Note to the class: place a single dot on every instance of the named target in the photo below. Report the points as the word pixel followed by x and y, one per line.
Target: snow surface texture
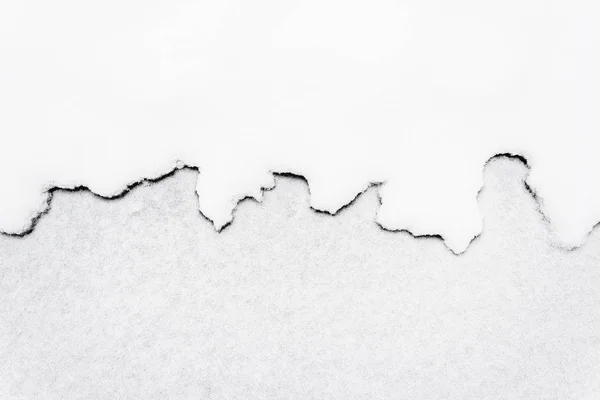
pixel 417 94
pixel 139 298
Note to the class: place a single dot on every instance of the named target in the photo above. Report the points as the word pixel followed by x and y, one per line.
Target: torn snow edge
pixel 286 174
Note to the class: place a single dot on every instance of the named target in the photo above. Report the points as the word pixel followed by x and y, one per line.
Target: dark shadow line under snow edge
pixel 292 175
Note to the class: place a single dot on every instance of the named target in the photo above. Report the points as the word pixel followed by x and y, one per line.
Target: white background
pixel 416 94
